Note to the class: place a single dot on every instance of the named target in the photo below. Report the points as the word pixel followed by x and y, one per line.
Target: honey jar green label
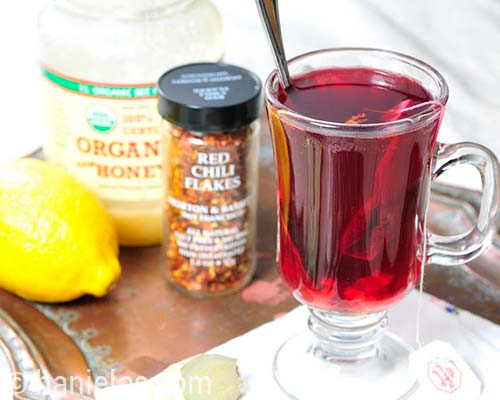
pixel 101 118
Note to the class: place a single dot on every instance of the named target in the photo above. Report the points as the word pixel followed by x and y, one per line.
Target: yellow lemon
pixel 57 242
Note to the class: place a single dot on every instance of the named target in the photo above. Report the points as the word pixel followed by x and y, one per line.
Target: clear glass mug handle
pixel 462 248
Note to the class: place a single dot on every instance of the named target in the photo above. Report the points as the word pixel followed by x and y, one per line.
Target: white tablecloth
pixel 476 339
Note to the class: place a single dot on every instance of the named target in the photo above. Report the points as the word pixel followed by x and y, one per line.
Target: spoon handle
pixel 268 10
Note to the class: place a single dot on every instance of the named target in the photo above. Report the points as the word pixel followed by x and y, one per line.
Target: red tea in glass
pixel 351 235
pixel 355 148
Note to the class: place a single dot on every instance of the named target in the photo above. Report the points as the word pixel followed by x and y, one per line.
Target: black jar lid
pixel 209 97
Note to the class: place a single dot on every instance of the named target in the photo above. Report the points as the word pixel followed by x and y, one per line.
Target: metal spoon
pixel 268 10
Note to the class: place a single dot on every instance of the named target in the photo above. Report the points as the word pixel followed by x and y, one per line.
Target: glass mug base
pixel 385 375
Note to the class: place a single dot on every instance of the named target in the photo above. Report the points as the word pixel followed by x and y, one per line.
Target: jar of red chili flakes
pixel 210 164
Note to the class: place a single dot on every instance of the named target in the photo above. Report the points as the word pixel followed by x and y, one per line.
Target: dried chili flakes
pixel 210 153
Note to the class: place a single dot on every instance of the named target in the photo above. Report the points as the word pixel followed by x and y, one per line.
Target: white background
pixel 460 37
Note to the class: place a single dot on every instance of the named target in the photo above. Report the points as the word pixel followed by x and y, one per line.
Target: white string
pixel 420 302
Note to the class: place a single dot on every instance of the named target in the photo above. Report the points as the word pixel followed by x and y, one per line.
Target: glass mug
pixel 352 204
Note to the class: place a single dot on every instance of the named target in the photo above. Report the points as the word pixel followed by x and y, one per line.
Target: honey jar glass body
pixel 100 63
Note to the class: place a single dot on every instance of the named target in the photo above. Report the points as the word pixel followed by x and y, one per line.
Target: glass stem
pixel 346 338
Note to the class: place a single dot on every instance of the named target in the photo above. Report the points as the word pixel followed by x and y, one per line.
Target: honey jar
pixel 100 62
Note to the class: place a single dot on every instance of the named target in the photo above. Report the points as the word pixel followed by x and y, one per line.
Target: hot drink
pixel 352 206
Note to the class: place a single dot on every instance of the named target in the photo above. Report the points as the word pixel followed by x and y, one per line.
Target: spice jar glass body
pixel 210 208
pixel 100 62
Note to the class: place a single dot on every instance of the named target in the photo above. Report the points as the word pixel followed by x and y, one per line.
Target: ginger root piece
pixel 211 377
pixel 203 377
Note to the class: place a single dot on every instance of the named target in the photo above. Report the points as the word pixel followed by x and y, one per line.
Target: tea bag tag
pixel 443 374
